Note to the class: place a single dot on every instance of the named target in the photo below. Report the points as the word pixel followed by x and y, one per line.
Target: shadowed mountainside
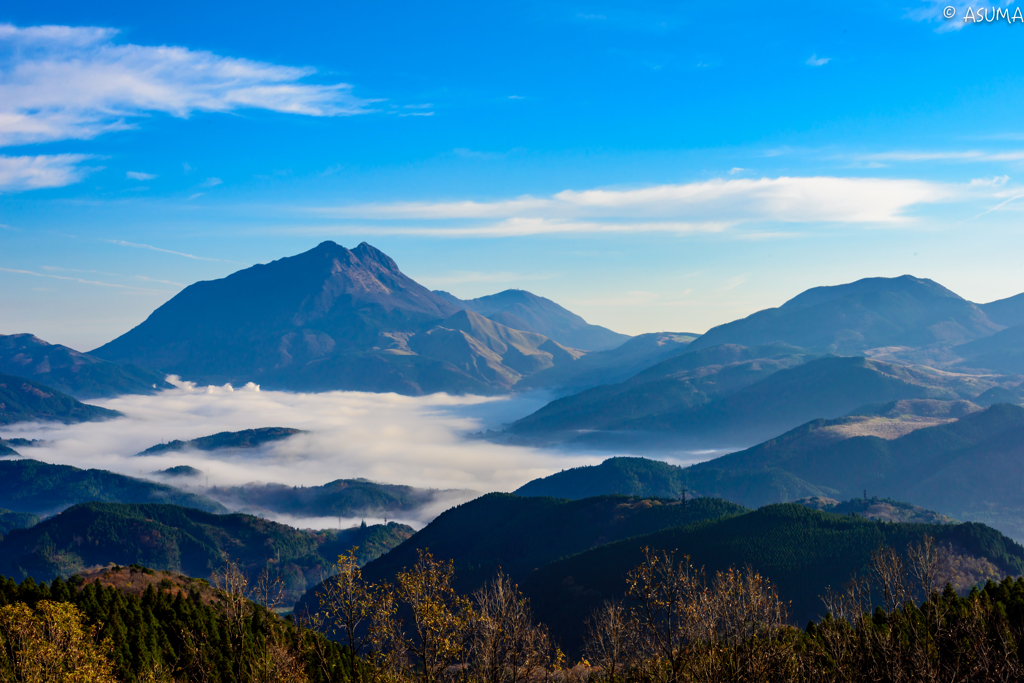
pixel 72 372
pixel 22 400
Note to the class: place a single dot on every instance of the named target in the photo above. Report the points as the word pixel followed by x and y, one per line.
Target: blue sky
pixel 651 166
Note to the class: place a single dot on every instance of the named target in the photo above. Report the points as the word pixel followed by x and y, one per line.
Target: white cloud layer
pixel 64 82
pixel 383 437
pixel 700 207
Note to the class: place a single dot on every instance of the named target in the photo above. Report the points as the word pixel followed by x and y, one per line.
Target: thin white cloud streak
pixel 464 277
pixel 64 82
pixel 103 272
pixel 138 175
pixel 21 173
pixel 964 156
pixel 417 441
pixel 815 60
pixel 700 207
pixel 84 282
pixel 135 245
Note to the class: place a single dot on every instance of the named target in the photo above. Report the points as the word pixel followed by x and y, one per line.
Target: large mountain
pixel 1001 352
pixel 22 400
pixel 522 310
pixel 331 318
pixel 862 315
pixel 72 372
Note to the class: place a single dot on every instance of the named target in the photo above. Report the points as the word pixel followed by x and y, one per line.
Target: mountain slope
pixel 802 551
pixel 866 314
pixel 667 411
pixel 1002 352
pixel 36 487
pixel 72 372
pixel 1008 312
pixel 22 400
pixel 522 310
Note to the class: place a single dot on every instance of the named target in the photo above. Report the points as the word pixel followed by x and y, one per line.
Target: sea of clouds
pixel 423 441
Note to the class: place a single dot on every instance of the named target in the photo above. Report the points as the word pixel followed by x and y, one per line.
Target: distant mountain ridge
pixel 72 372
pixel 866 314
pixel 522 310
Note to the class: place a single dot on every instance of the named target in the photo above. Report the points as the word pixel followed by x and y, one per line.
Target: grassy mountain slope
pixel 866 314
pixel 682 413
pixel 37 487
pixel 173 538
pixel 522 310
pixel 72 372
pixel 682 381
pixel 802 551
pixel 247 438
pixel 23 400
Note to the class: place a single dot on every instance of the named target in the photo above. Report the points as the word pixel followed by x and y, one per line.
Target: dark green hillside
pixel 247 438
pixel 521 534
pixel 73 372
pixel 802 551
pixel 22 400
pixel 159 536
pixel 15 520
pixel 33 486
pixel 5 449
pixel 340 498
pixel 621 476
pixel 173 538
pixel 866 314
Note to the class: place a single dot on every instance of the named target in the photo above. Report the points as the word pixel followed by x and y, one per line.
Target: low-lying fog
pixel 417 441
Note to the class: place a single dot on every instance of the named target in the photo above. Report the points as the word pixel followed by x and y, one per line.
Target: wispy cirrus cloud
pixel 150 247
pixel 65 82
pixel 138 175
pixel 815 60
pixel 937 11
pixel 701 207
pixel 963 156
pixel 83 281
